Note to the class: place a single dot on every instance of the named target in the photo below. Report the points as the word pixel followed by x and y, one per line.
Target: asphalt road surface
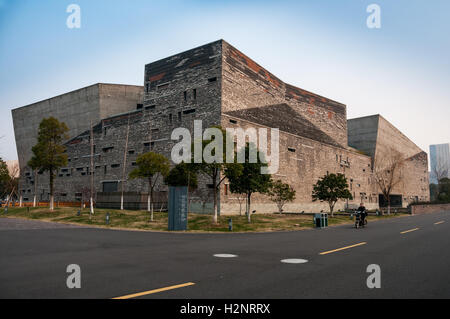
pixel 413 254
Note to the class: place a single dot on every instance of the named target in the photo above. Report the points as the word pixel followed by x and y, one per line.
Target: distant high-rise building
pixel 440 162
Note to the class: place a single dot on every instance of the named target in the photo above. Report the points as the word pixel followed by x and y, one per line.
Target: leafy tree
pixel 331 188
pixel 216 167
pixel 434 192
pixel 444 190
pixel 150 166
pixel 247 177
pixel 281 193
pixel 48 153
pixel 4 177
pixel 183 175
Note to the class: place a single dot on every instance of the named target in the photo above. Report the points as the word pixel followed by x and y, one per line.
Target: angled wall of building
pixel 247 85
pixel 77 109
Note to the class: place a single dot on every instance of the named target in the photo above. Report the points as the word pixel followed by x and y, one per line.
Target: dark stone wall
pixel 247 85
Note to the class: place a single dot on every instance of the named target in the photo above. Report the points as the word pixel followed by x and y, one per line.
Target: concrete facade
pixel 219 85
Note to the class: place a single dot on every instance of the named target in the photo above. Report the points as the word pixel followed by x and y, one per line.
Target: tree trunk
pixel 151 203
pixel 92 205
pixel 52 206
pixel 215 199
pixel 389 204
pixel 149 199
pixel 20 201
pixel 331 210
pixel 240 208
pixel 35 187
pixel 249 211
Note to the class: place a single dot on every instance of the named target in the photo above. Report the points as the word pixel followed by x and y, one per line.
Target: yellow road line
pixel 438 223
pixel 149 292
pixel 339 249
pixel 408 231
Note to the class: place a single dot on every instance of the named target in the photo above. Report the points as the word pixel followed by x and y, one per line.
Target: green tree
pixel 281 193
pixel 182 175
pixel 214 168
pixel 434 192
pixel 247 177
pixel 151 166
pixel 4 178
pixel 35 167
pixel 444 190
pixel 331 188
pixel 48 153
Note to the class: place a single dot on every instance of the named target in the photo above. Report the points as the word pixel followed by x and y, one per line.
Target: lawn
pixel 140 220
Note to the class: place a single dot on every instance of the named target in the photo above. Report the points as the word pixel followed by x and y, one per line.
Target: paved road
pixel 415 264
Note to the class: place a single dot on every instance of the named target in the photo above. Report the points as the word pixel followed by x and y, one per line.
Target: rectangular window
pixel 170 119
pixel 131 152
pixel 185 95
pixel 115 165
pixel 189 111
pixel 163 86
pixel 233 121
pixel 107 149
pixel 214 79
pixel 290 149
pixel 110 186
pixel 139 106
pixel 155 130
pixel 105 169
pixel 179 116
pixel 147 87
pixel 194 91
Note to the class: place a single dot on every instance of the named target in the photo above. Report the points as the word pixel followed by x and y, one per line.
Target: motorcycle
pixel 359 221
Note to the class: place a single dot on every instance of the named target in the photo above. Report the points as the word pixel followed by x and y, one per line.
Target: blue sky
pixel 401 71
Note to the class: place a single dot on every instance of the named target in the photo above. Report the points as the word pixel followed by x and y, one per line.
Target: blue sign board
pixel 178 207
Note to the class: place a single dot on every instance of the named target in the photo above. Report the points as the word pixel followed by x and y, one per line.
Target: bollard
pixel 107 218
pixel 230 224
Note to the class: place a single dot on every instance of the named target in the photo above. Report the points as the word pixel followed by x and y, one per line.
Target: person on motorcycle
pixel 363 213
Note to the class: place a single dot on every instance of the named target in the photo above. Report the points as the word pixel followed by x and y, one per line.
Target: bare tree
pixel 439 171
pixel 387 172
pixel 13 182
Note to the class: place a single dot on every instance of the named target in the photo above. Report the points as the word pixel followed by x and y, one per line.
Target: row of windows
pixel 162 86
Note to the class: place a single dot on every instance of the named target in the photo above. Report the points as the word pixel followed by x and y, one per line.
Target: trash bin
pixel 321 220
pixel 324 220
pixel 317 220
